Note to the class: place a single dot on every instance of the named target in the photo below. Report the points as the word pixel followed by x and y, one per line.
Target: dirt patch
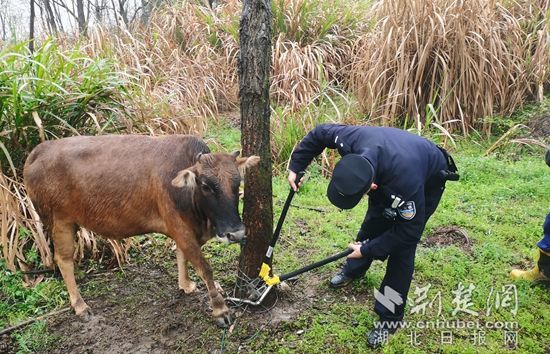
pixel 302 225
pixel 449 235
pixel 138 311
pixel 7 344
pixel 540 126
pixel 141 310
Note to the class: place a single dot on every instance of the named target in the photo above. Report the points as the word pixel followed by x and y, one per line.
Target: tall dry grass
pixel 168 77
pixel 313 40
pixel 186 58
pixel 437 61
pixel 184 63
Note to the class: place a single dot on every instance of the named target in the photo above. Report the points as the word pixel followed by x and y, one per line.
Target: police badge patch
pixel 408 210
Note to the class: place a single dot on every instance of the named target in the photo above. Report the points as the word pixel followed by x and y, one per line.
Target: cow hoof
pixel 224 321
pixel 85 314
pixel 189 287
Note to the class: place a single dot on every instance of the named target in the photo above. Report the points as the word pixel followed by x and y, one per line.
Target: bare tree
pixel 3 20
pixel 31 28
pixel 49 16
pixel 254 67
pixel 121 11
pixel 81 17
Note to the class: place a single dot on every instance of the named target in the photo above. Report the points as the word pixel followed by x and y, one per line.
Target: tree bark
pixel 50 17
pixel 254 70
pixel 81 17
pixel 123 11
pixel 3 23
pixel 31 28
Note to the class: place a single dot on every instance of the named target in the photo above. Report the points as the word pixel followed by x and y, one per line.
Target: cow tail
pixel 46 218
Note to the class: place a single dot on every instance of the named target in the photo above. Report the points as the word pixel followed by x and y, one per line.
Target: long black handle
pixel 316 265
pixel 282 217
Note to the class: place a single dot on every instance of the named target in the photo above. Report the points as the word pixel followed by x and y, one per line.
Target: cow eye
pixel 205 187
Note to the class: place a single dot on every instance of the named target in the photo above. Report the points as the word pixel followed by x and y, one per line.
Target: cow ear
pixel 236 154
pixel 185 178
pixel 245 162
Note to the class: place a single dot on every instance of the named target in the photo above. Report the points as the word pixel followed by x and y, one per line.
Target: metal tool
pixel 261 286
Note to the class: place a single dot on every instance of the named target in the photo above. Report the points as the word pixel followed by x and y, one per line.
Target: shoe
pixel 340 280
pixel 379 336
pixel 541 270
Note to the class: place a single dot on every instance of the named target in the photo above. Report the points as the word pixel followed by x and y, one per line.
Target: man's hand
pixel 356 247
pixel 292 181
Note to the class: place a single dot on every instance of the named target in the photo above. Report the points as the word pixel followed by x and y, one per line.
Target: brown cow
pixel 121 186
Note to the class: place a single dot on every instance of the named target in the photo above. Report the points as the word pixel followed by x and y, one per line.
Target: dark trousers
pixel 400 267
pixel 544 244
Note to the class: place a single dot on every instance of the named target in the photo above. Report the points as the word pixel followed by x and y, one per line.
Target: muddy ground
pixel 141 310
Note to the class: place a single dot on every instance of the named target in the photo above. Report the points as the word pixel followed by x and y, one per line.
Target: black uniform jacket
pixel 404 164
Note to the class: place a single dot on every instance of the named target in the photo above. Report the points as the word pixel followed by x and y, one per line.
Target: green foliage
pixel 19 303
pixel 288 127
pixel 309 21
pixel 68 93
pixel 34 338
pixel 500 202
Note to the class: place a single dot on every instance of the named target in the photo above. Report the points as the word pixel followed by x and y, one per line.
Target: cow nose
pixel 235 236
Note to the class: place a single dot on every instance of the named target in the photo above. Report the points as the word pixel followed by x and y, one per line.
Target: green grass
pixel 18 302
pixel 35 338
pixel 501 201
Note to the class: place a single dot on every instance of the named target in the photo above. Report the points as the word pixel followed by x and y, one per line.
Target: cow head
pixel 215 179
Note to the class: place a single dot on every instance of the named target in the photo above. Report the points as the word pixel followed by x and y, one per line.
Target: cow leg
pixel 184 282
pixel 63 240
pixel 192 252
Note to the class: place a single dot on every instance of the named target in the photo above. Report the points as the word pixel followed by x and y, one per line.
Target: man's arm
pixel 403 233
pixel 312 145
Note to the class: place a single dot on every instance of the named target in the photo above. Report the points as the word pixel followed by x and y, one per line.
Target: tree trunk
pixel 123 11
pixel 254 68
pixel 50 17
pixel 31 28
pixel 81 18
pixel 3 22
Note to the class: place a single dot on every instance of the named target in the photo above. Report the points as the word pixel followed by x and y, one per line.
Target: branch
pixel 63 5
pixel 32 320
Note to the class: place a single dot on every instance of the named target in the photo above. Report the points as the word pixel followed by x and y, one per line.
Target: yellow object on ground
pixel 535 273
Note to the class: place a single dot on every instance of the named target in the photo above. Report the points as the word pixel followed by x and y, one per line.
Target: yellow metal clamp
pixel 264 274
pixel 264 271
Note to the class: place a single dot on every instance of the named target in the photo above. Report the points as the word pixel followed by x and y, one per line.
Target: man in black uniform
pixel 404 176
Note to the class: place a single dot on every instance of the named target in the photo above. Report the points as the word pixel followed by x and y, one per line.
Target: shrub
pixel 53 93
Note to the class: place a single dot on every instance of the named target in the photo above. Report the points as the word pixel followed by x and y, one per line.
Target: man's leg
pixel 541 270
pixel 393 295
pixel 399 273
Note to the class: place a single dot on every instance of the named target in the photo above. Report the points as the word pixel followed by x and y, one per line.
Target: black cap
pixel 351 179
